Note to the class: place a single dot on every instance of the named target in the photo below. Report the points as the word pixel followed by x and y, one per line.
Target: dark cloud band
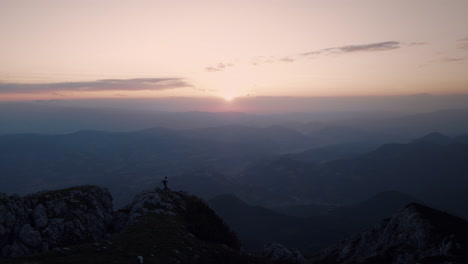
pixel 381 46
pixel 371 47
pixel 137 84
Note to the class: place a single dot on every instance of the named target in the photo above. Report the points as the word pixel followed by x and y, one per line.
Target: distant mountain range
pixel 433 168
pixel 55 117
pixel 127 161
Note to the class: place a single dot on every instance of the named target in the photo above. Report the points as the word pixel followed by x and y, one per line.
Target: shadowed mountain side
pixel 440 139
pixel 363 213
pixel 380 206
pixel 334 152
pixel 421 168
pixel 416 234
pixel 257 225
pixel 208 184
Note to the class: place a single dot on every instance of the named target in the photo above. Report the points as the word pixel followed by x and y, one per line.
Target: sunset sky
pixel 231 49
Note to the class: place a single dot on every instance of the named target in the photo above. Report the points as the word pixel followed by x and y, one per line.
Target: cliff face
pixel 416 234
pixel 52 219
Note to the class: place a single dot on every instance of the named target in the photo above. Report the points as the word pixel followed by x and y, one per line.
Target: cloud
pixel 463 44
pixel 262 60
pixel 137 84
pixel 286 59
pixel 310 53
pixel 213 69
pixel 371 47
pixel 417 44
pixel 380 46
pixel 452 59
pixel 219 67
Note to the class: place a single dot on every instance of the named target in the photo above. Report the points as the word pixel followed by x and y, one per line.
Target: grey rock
pixel 15 196
pixel 278 252
pixel 416 234
pixel 3 212
pixel 153 202
pixel 15 250
pixel 30 237
pixel 37 222
pixel 39 216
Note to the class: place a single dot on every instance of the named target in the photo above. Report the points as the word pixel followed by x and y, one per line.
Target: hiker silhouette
pixel 165 181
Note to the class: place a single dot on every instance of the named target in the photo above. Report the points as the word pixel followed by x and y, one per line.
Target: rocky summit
pixel 77 225
pixel 279 253
pixel 48 220
pixel 416 234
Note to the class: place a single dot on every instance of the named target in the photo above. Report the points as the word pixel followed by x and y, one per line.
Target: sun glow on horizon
pixel 228 98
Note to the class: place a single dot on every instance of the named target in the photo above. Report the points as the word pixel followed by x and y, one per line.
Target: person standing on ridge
pixel 165 181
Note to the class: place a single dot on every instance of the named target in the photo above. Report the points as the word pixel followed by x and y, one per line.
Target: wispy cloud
pixel 371 47
pixel 381 46
pixel 463 43
pixel 262 60
pixel 218 67
pixel 451 59
pixel 137 84
pixel 346 49
pixel 286 59
pixel 418 44
pixel 212 69
pixel 310 53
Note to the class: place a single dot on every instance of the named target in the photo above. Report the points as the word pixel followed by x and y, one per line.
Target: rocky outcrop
pixel 201 221
pixel 151 202
pixel 279 253
pixel 46 220
pixel 416 234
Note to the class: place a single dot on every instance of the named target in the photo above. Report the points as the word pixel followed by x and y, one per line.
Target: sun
pixel 228 98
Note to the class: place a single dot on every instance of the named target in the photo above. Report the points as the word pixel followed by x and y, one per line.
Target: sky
pixel 231 49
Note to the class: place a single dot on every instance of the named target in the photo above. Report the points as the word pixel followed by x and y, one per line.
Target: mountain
pixel 436 138
pixel 441 139
pixel 435 173
pixel 257 225
pixel 77 225
pixel 310 230
pixel 208 184
pixel 362 215
pixel 358 215
pixel 126 162
pixel 335 151
pixel 446 121
pixel 63 116
pixel 416 234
